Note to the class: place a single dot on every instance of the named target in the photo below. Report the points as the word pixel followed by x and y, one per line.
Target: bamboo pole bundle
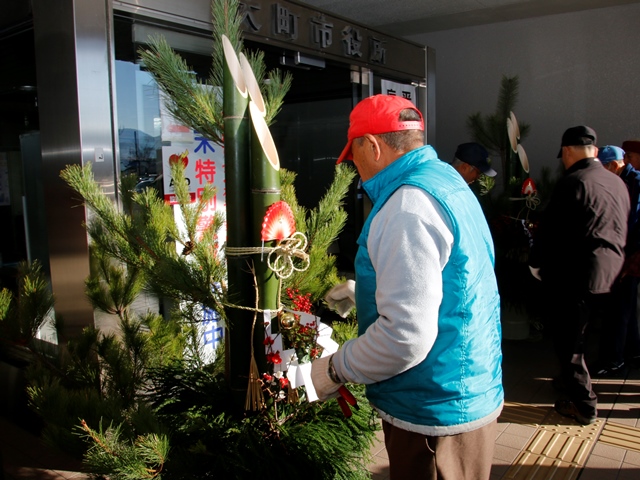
pixel 241 291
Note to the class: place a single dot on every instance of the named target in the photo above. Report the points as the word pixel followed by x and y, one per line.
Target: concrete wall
pixel 580 68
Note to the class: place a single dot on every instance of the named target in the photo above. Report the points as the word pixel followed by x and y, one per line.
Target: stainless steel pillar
pixel 73 54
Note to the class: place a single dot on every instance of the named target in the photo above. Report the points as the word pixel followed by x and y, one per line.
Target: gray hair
pixel 404 140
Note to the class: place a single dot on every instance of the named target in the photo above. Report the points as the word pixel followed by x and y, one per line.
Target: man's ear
pixel 375 145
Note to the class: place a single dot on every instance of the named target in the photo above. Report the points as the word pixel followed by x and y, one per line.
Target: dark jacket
pixel 579 246
pixel 631 178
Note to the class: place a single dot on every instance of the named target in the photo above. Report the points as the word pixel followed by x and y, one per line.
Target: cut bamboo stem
pixel 238 341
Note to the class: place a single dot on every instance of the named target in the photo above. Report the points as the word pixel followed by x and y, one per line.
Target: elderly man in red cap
pixel 428 307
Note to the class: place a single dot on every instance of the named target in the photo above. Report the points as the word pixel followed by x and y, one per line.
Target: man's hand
pixel 324 385
pixel 342 298
pixel 535 272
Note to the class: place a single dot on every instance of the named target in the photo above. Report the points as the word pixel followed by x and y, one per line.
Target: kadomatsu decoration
pixel 150 405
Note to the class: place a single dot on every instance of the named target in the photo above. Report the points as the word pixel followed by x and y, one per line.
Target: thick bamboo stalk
pixel 265 190
pixel 241 291
pixel 265 183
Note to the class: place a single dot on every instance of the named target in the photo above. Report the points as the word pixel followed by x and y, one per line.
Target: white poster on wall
pixel 399 89
pixel 203 162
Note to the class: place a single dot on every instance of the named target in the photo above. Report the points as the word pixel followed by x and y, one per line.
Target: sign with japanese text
pixel 399 89
pixel 203 163
pixel 296 26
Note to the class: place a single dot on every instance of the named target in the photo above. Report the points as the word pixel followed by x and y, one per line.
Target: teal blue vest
pixel 460 380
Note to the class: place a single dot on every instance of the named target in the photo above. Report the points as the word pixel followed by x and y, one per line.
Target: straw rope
pixel 255 397
pixel 531 201
pixel 280 259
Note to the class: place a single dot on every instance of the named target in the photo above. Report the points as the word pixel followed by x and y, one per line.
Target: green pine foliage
pixel 147 401
pixel 114 458
pixel 321 225
pixel 198 103
pixel 346 329
pixel 490 130
pixel 304 440
pixel 101 377
pixel 24 313
pixel 147 241
pixel 142 402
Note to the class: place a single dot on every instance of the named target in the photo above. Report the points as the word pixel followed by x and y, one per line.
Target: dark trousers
pixel 571 319
pixel 466 456
pixel 619 333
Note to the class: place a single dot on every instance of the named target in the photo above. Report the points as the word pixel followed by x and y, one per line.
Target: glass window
pixel 139 112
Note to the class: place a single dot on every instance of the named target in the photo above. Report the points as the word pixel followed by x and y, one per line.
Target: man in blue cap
pixel 620 335
pixel 472 160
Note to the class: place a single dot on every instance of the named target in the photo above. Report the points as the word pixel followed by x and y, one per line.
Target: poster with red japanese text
pixel 203 162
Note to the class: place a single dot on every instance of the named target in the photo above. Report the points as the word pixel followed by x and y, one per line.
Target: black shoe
pixel 606 370
pixel 635 361
pixel 567 408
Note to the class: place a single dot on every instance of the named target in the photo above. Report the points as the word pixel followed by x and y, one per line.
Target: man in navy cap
pixel 472 160
pixel 578 253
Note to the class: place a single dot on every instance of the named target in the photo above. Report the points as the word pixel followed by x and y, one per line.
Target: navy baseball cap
pixel 476 155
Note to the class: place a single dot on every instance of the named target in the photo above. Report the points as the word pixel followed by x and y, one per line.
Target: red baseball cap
pixel 378 114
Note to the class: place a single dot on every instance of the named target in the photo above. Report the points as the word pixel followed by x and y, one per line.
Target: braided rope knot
pixel 532 201
pixel 281 257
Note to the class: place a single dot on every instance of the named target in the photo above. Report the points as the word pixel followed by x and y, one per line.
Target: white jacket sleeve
pixel 409 244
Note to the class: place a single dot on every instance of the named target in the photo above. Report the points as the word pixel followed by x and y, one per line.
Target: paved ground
pixel 535 443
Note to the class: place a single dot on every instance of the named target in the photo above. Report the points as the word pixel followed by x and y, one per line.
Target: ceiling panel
pixel 411 17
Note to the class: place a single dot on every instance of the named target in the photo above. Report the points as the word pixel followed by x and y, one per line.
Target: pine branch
pixel 109 455
pixel 115 287
pixel 22 314
pixel 226 21
pixel 276 86
pixel 322 226
pixel 188 100
pixel 146 242
pixel 508 96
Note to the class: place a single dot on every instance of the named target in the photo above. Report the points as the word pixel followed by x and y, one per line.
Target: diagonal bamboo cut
pixel 265 190
pixel 265 183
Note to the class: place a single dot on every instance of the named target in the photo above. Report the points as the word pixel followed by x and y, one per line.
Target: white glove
pixel 324 386
pixel 342 298
pixel 535 272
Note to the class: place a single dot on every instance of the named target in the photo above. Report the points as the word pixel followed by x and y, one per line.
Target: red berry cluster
pixel 301 303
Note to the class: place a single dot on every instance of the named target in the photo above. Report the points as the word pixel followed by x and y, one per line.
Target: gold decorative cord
pixel 531 201
pixel 280 259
